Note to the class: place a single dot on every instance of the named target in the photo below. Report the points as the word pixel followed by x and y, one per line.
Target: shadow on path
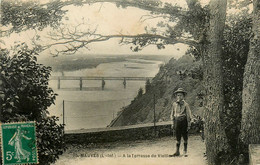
pixel 150 152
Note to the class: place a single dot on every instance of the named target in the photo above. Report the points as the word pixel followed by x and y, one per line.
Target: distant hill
pixel 76 62
pixel 141 109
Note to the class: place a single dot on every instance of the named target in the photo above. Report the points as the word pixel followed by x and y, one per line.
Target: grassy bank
pixel 141 109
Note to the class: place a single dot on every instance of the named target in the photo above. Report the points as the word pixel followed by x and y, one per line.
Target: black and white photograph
pixel 123 82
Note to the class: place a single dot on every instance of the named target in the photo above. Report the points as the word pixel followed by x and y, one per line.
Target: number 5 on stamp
pixel 19 143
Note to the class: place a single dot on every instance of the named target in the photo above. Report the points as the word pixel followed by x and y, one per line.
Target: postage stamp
pixel 19 143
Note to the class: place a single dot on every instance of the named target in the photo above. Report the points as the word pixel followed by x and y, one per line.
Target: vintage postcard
pixel 129 81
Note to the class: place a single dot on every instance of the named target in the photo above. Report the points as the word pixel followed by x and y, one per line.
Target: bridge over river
pixel 102 79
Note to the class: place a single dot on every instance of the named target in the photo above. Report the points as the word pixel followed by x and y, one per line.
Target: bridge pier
pixel 80 83
pixel 124 82
pixel 58 82
pixel 103 83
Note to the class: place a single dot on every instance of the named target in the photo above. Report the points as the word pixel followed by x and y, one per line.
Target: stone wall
pixel 119 134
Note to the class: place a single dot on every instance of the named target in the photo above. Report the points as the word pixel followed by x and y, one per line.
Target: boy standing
pixel 181 117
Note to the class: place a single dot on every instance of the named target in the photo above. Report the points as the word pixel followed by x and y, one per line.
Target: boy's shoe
pixel 185 153
pixel 177 153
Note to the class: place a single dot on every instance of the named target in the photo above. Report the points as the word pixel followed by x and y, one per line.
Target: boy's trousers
pixel 181 126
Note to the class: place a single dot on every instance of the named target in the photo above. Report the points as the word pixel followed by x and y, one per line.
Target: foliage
pixel 195 20
pixel 27 97
pixel 197 124
pixel 50 140
pixel 26 85
pixel 140 93
pixel 23 15
pixel 147 85
pixel 192 23
pixel 236 46
pixel 140 3
pixel 141 110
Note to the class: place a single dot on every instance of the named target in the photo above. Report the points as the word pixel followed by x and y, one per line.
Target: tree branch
pixel 154 6
pixel 153 36
pixel 73 42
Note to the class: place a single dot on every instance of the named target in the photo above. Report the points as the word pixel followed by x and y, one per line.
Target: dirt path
pixel 145 152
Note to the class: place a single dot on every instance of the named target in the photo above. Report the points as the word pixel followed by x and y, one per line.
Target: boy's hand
pixel 189 125
pixel 172 126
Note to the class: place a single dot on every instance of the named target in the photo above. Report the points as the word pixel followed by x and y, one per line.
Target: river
pixel 93 107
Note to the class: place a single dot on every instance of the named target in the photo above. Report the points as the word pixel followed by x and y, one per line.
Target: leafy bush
pixel 147 85
pixel 140 92
pixel 236 46
pixel 27 97
pixel 197 124
pixel 49 140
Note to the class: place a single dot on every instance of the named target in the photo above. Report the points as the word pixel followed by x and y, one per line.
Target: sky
pixel 108 19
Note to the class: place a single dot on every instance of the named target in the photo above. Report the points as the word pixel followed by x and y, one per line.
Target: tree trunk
pixel 216 140
pixel 250 124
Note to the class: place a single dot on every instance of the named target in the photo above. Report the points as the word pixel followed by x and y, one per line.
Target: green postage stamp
pixel 19 143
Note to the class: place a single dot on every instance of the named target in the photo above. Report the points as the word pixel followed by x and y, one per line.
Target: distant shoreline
pixel 73 63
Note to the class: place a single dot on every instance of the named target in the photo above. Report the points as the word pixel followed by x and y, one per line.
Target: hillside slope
pixel 141 109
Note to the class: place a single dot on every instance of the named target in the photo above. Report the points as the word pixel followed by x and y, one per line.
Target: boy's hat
pixel 180 90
